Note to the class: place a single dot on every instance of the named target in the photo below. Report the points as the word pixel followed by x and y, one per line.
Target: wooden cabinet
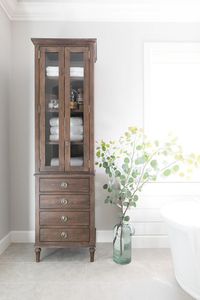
pixel 64 143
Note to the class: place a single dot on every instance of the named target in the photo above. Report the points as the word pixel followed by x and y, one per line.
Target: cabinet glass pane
pixel 52 109
pixel 76 109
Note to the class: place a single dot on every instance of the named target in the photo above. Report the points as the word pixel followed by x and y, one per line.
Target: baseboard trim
pixel 103 236
pixel 4 243
pixel 22 236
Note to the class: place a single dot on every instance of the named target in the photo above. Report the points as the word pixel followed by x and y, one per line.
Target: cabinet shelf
pixel 52 77
pixel 75 112
pixel 77 143
pixel 54 110
pixel 77 78
pixel 52 142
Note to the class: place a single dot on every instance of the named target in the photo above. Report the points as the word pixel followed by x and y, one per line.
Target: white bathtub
pixel 183 223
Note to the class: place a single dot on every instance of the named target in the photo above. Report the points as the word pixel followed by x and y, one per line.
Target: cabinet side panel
pixel 37 109
pixel 37 225
pixel 91 99
pixel 92 213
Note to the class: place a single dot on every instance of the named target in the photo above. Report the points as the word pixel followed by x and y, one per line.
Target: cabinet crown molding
pixel 104 11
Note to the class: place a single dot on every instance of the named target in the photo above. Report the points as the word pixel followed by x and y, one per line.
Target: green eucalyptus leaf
pixel 107 200
pixel 126 218
pixel 135 198
pixel 154 163
pixel 131 180
pixel 117 173
pixel 105 164
pixel 139 147
pixel 140 160
pixel 128 194
pixel 175 168
pixel 134 174
pixel 126 160
pixel 167 172
pixel 98 153
pixel 146 175
pixel 105 186
pixel 107 170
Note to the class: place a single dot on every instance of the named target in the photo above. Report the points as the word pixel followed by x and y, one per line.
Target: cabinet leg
pixel 92 251
pixel 37 254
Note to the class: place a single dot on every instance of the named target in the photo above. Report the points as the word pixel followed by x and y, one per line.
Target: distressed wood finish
pixel 64 234
pixel 65 210
pixel 64 185
pixel 64 201
pixel 63 218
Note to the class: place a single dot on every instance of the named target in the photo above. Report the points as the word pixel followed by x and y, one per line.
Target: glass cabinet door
pixel 52 109
pixel 77 113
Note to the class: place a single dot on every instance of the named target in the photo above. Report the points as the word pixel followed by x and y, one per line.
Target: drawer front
pixel 64 235
pixel 64 185
pixel 64 218
pixel 65 201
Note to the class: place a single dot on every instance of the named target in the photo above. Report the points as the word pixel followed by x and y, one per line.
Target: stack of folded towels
pixel 54 129
pixel 52 71
pixel 74 162
pixel 76 135
pixel 76 129
pixel 77 71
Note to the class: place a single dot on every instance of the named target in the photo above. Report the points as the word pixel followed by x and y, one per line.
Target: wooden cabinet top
pixel 45 42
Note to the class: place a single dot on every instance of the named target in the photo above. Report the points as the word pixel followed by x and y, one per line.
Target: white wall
pixel 118 104
pixel 5 40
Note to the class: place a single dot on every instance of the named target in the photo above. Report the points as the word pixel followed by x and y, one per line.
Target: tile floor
pixel 66 274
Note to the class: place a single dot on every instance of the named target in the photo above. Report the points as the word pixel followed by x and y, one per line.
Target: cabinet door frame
pixel 42 97
pixel 86 109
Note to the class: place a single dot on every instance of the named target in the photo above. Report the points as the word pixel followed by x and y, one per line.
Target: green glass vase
pixel 122 243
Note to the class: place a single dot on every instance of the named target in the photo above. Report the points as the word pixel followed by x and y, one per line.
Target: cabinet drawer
pixel 64 185
pixel 64 235
pixel 64 218
pixel 65 201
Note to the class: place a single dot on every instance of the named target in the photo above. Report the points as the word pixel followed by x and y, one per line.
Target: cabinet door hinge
pixel 88 54
pixel 89 110
pixel 89 163
pixel 39 54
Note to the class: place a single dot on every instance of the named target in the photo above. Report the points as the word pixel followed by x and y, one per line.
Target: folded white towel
pixel 54 137
pixel 52 68
pixel 74 121
pixel 77 71
pixel 52 74
pixel 76 161
pixel 54 162
pixel 76 137
pixel 54 121
pixel 52 71
pixel 76 129
pixel 54 130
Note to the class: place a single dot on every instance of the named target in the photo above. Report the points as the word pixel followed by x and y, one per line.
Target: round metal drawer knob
pixel 63 235
pixel 64 219
pixel 64 185
pixel 64 201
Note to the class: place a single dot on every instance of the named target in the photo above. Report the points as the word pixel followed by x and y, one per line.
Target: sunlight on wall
pixel 172 92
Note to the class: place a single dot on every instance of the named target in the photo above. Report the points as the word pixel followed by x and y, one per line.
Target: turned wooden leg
pixel 37 254
pixel 92 251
